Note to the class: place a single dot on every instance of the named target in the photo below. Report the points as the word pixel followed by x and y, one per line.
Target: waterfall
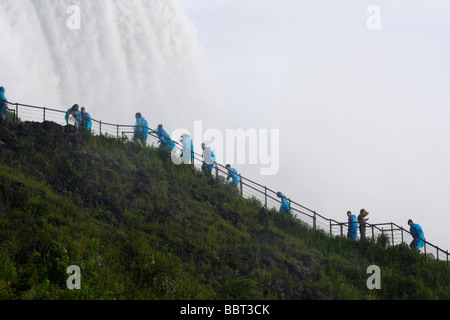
pixel 115 57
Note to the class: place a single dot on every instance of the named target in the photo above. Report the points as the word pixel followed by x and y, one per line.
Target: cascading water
pixel 116 57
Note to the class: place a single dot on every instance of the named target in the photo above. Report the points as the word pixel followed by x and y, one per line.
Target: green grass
pixel 140 227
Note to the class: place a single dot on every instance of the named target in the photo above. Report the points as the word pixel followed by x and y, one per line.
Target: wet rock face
pixel 59 149
pixel 311 294
pixel 37 136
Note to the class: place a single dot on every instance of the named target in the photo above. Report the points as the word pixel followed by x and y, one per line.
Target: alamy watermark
pixel 374 19
pixel 374 281
pixel 74 281
pixel 73 22
pixel 237 146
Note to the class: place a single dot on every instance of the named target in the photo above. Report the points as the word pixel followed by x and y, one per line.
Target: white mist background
pixel 127 56
pixel 363 114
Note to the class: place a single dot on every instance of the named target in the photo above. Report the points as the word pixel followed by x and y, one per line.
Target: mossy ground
pixel 140 227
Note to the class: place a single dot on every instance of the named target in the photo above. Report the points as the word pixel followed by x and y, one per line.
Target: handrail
pixel 263 192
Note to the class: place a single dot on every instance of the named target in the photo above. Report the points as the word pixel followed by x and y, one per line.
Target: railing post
pixel 342 230
pixel 100 127
pixel 331 229
pixel 314 221
pixel 265 197
pixel 17 112
pixel 392 233
pixel 240 181
pixel 117 131
pixel 217 170
pixel 44 114
pixel 401 229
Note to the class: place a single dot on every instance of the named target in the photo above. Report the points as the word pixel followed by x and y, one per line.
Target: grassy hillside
pixel 140 227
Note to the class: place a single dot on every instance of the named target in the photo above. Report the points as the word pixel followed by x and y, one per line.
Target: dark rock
pixel 263 217
pixel 57 221
pixel 311 294
pixel 228 214
pixel 267 259
pixel 269 237
pixel 302 272
pixel 310 260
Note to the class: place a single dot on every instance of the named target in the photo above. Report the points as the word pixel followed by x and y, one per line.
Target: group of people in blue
pixel 141 132
pixel 82 119
pixel 78 118
pixel 353 223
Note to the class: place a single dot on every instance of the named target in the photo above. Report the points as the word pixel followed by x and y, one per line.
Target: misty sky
pixel 363 114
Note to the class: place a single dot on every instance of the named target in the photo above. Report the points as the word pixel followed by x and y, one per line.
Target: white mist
pixel 120 57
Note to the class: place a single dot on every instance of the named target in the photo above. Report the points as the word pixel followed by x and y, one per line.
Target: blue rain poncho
pixel 187 154
pixel 3 105
pixel 208 158
pixel 85 120
pixel 233 174
pixel 141 129
pixel 418 236
pixel 75 113
pixel 352 227
pixel 164 139
pixel 285 206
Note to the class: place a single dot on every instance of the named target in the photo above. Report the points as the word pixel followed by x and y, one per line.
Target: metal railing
pixel 247 187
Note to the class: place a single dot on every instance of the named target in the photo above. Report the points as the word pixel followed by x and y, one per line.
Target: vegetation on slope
pixel 140 227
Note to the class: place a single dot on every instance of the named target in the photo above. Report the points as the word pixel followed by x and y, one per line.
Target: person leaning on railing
pixel 232 174
pixel 165 142
pixel 85 119
pixel 73 113
pixel 3 104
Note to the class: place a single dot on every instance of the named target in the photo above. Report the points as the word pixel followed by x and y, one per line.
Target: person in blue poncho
pixel 285 206
pixel 73 115
pixel 3 104
pixel 165 141
pixel 232 174
pixel 140 128
pixel 418 235
pixel 85 120
pixel 187 154
pixel 352 232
